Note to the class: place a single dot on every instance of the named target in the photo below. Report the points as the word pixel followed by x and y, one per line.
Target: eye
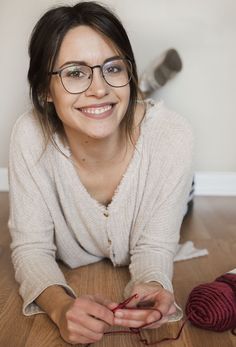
pixel 114 68
pixel 75 73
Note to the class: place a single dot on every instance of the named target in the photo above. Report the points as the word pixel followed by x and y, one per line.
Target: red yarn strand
pixel 210 306
pixel 137 331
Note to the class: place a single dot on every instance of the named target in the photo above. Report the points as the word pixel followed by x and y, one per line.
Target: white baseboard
pixel 206 183
pixel 215 183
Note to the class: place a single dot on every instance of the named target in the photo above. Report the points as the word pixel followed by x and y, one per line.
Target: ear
pixel 49 97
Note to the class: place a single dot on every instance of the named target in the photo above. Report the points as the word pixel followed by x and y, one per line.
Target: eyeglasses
pixel 77 78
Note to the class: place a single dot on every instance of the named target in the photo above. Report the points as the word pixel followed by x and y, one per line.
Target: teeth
pixel 97 110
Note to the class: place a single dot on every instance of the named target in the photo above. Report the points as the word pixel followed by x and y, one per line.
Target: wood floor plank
pixel 211 225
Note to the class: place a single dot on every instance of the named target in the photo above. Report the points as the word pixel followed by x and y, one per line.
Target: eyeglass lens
pixel 77 78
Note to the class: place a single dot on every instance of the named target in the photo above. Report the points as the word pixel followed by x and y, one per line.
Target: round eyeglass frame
pixel 129 70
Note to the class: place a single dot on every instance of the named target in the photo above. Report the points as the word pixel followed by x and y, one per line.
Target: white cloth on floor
pixel 187 250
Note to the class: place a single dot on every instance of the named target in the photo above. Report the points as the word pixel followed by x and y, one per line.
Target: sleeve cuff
pixel 177 315
pixel 30 307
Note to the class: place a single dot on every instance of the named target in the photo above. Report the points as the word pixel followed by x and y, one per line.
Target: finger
pixel 112 305
pixel 128 323
pixel 172 310
pixel 159 299
pixel 155 320
pixel 81 330
pixel 146 303
pixel 139 314
pixel 140 324
pixel 163 320
pixel 146 291
pixel 137 318
pixel 144 299
pixel 162 300
pixel 103 301
pixel 102 313
pixel 96 310
pixel 165 304
pixel 88 322
pixel 156 324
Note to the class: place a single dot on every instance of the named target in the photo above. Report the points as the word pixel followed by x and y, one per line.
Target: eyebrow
pixel 81 62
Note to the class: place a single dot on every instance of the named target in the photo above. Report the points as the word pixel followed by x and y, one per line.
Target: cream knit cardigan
pixel 52 216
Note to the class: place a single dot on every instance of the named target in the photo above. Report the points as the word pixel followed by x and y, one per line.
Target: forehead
pixel 83 43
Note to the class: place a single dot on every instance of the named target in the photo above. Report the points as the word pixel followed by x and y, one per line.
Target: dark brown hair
pixel 44 46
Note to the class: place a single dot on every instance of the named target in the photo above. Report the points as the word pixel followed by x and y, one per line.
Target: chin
pixel 101 134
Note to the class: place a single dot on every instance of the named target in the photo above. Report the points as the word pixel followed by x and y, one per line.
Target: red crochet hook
pixel 124 303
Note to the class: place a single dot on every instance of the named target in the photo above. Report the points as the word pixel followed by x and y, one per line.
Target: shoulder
pixel 26 123
pixel 27 134
pixel 164 127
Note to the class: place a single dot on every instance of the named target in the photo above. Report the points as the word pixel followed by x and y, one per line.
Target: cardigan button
pixel 106 214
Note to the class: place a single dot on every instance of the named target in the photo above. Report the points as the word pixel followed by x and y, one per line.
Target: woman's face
pixel 98 111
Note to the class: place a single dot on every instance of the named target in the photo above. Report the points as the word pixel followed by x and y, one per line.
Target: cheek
pixel 61 100
pixel 125 96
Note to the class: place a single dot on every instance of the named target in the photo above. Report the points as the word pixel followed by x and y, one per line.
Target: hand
pixel 150 295
pixel 85 319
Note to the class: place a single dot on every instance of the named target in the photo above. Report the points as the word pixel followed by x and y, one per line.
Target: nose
pixel 98 87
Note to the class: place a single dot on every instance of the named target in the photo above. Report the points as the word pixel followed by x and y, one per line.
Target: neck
pixel 92 152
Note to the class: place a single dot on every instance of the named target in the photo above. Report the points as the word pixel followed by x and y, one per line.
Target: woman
pixel 94 173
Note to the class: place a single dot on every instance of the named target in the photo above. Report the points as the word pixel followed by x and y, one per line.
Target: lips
pixel 97 111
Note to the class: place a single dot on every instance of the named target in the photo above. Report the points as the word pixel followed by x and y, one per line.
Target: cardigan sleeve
pixel 30 223
pixel 157 230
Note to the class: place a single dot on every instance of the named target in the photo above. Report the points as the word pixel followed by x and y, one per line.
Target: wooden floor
pixel 211 225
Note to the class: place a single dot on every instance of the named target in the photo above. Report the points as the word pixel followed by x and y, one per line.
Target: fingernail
pixel 119 314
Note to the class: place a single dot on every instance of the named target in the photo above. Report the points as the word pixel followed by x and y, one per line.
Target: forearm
pixel 52 300
pixel 152 267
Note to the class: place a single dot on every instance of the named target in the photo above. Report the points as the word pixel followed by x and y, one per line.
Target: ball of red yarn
pixel 213 305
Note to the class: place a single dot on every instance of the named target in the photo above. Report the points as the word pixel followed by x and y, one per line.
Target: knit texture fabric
pixel 52 216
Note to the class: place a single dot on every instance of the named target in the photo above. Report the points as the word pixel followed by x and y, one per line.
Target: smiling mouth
pixel 97 111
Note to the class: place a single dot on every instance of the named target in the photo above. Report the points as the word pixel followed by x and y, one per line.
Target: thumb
pixel 105 302
pixel 112 305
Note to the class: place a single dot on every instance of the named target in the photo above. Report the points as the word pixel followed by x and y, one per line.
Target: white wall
pixel 203 31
